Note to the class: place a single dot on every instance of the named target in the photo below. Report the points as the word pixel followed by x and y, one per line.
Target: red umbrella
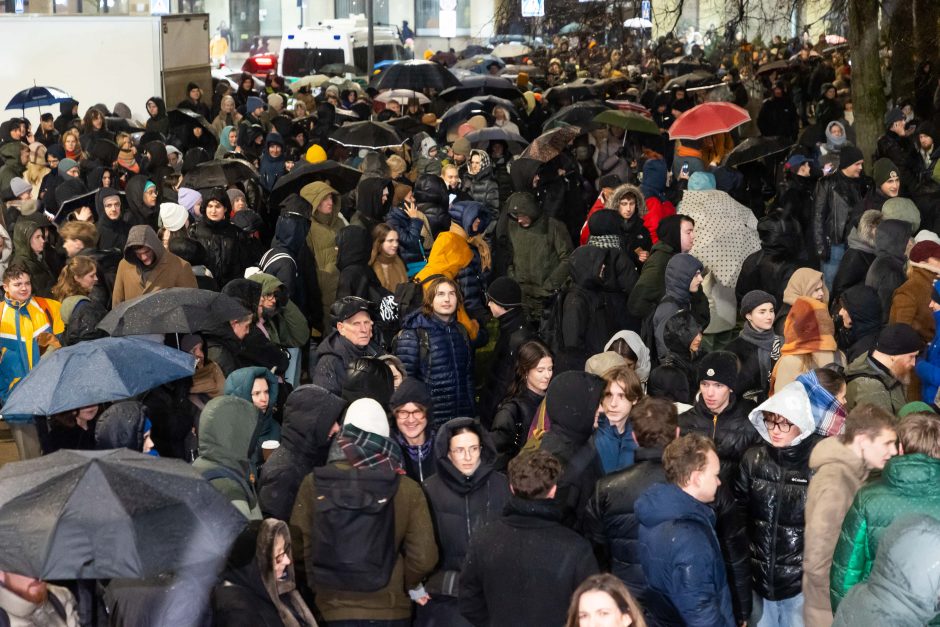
pixel 709 118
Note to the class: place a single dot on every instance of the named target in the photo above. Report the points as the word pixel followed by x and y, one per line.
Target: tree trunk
pixel 926 18
pixel 868 97
pixel 898 21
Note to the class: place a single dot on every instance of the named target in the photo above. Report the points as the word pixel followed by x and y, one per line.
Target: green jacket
pixel 650 287
pixel 12 167
pixel 909 484
pixel 539 257
pixel 287 327
pixel 226 441
pixel 867 383
pixel 40 274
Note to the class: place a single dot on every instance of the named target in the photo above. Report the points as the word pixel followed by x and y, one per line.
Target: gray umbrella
pixel 173 310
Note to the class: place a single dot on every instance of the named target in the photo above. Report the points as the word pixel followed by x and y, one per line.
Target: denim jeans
pixel 829 268
pixel 784 613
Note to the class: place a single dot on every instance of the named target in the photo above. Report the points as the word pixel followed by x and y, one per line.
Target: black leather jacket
pixel 836 210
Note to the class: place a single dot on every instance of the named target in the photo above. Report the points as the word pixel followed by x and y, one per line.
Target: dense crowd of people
pixel 522 367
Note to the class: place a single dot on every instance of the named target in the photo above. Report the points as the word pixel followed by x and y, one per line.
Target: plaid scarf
pixel 604 241
pixel 828 412
pixel 363 449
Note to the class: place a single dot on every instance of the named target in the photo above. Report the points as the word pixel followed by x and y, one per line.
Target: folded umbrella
pixel 342 178
pixel 629 120
pixel 417 75
pixel 550 144
pixel 173 310
pixel 708 118
pixel 96 371
pixel 367 134
pixel 755 149
pixel 106 514
pixel 219 173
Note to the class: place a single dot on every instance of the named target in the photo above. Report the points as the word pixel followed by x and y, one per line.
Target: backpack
pixel 648 333
pixel 352 544
pixel 410 295
pixel 273 256
pixel 550 325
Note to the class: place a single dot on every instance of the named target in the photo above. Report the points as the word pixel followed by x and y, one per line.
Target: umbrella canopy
pixel 629 105
pixel 342 178
pixel 475 50
pixel 577 114
pixel 578 89
pixel 37 97
pixel 549 145
pixel 510 50
pixel 96 371
pixel 106 514
pixel 725 232
pixel 708 118
pixel 121 125
pixel 186 117
pixel 693 81
pixel 629 120
pixel 755 149
pixel 479 139
pixel 314 81
pixel 367 134
pixel 402 96
pixel 477 85
pixel 219 173
pixel 781 65
pixel 417 75
pixel 407 126
pixel 173 310
pixel 637 22
pixel 568 29
pixel 77 202
pixel 480 63
pixel 463 110
pixel 534 71
pixel 338 69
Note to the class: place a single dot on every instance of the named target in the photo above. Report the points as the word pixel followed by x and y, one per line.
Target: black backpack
pixel 353 536
pixel 410 295
pixel 550 326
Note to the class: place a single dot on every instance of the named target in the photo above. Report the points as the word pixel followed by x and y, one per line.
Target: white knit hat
pixel 173 216
pixel 366 414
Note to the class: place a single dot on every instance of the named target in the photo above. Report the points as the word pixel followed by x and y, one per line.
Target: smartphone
pixel 685 168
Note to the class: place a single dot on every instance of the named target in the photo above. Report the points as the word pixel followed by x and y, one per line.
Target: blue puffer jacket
pixel 444 364
pixel 682 560
pixel 409 234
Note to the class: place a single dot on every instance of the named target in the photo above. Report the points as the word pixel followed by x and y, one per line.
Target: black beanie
pixel 754 299
pixel 412 390
pixel 719 366
pixel 849 155
pixel 898 339
pixel 505 292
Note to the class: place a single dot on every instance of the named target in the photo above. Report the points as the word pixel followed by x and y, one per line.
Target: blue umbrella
pixel 37 97
pixel 97 371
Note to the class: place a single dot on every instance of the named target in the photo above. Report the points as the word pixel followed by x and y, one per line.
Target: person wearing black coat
pixel 586 325
pixel 141 202
pixel 373 201
pixel 465 494
pixel 113 229
pixel 430 193
pixel 413 411
pixel 222 240
pixel 81 316
pixel 610 521
pixel 310 413
pixel 504 298
pixel 343 345
pixel 68 115
pixel 356 276
pixel 769 269
pixel 757 347
pixel 858 321
pixel 778 115
pixel 898 147
pixel 620 274
pixel 796 201
pixel 858 256
pixel 888 271
pixel 158 122
pixel 675 377
pixel 522 568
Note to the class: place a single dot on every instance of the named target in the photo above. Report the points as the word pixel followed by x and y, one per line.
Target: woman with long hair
pixel 388 266
pixel 604 596
pixel 77 278
pixel 533 373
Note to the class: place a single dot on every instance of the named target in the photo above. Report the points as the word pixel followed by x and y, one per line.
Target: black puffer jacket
pixel 221 240
pixel 675 377
pixel 483 186
pixel 835 210
pixel 511 425
pixel 459 504
pixel 586 325
pixel 610 522
pixel 334 354
pixel 430 193
pixel 771 485
pixel 796 201
pixel 356 276
pixel 887 272
pixel 309 414
pixel 514 331
pixel 731 430
pixel 769 269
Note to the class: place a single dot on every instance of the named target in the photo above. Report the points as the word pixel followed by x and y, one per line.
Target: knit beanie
pixel 65 165
pixel 849 155
pixel 173 216
pixel 719 366
pixel 915 407
pixel 898 339
pixel 462 146
pixel 505 292
pixel 884 169
pixel 19 186
pixel 899 208
pixel 922 251
pixel 367 415
pixel 276 102
pixel 315 154
pixel 253 103
pixel 754 299
pixel 235 194
pixel 411 390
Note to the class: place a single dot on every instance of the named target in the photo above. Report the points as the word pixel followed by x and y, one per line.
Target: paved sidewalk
pixel 7 448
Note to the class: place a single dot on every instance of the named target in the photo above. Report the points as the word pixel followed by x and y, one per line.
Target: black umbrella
pixel 693 81
pixel 577 114
pixel 416 75
pixel 533 71
pixel 105 514
pixel 342 178
pixel 121 125
pixel 173 310
pixel 367 134
pixel 77 202
pixel 483 86
pixel 407 126
pixel 579 89
pixel 516 142
pixel 188 118
pixel 463 110
pixel 338 69
pixel 781 65
pixel 755 149
pixel 219 173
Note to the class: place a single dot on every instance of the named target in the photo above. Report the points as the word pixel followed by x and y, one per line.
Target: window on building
pixel 427 14
pixel 345 8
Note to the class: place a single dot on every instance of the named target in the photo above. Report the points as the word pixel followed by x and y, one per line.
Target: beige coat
pixel 838 474
pixel 789 367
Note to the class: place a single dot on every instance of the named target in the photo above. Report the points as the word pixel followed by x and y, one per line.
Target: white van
pixel 304 51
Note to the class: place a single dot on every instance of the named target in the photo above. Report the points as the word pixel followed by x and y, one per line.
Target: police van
pixel 306 50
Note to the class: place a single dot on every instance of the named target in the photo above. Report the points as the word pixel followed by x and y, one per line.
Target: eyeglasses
pixel 414 413
pixel 470 451
pixel 782 425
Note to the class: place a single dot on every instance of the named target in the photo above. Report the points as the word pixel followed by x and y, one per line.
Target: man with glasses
pixel 773 479
pixel 350 340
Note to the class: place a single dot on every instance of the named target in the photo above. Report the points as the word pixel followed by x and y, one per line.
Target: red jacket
pixel 656 210
pixel 597 206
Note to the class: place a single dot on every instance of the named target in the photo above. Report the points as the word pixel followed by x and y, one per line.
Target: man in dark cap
pixel 897 146
pixel 880 375
pixel 835 209
pixel 350 340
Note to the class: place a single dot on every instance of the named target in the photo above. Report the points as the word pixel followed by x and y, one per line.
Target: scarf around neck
pixel 768 346
pixel 363 449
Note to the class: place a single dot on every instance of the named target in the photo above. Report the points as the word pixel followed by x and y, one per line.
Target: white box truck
pixel 117 58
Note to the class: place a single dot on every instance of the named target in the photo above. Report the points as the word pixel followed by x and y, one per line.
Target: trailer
pixel 111 59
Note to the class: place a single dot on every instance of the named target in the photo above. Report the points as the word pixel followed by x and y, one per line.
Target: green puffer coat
pixel 910 484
